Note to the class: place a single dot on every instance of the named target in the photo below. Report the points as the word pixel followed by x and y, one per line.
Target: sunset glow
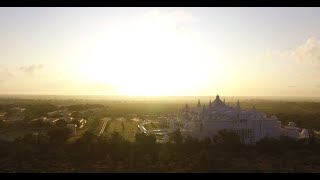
pixel 160 51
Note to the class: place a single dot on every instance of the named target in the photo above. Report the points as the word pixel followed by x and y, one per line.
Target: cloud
pixel 177 18
pixel 309 52
pixel 6 74
pixel 32 69
pixel 292 86
pixel 171 15
pixel 306 53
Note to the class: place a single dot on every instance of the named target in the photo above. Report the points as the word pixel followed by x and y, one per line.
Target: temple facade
pixel 205 121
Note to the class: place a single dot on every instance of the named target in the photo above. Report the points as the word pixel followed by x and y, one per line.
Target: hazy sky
pixel 160 51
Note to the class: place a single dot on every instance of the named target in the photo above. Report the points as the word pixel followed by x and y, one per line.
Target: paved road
pixel 317 132
pixel 105 122
pixel 142 128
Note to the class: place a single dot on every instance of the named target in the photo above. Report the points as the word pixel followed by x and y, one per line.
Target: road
pixel 317 132
pixel 142 128
pixel 105 122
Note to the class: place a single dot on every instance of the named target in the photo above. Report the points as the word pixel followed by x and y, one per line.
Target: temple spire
pixel 199 105
pixel 253 108
pixel 186 106
pixel 238 104
pixel 210 103
pixel 224 101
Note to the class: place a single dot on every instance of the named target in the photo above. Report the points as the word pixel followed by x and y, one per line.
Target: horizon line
pixel 20 94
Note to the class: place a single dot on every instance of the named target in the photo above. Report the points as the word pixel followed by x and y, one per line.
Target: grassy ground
pixel 126 128
pixel 152 126
pixel 11 135
pixel 91 126
pixel 78 134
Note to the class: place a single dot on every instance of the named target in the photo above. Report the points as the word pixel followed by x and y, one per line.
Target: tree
pixel 269 146
pixel 59 135
pixel 122 124
pixel 145 139
pixel 191 145
pixel 39 124
pixel 29 139
pixel 115 136
pixel 88 138
pixel 118 147
pixel 206 142
pixel 227 140
pixel 147 144
pixel 75 122
pixel 61 123
pixel 76 114
pixel 2 125
pixel 176 136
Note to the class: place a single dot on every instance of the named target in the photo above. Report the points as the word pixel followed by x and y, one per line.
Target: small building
pixel 52 120
pixel 304 134
pixel 81 121
pixel 2 115
pixel 50 114
pixel 291 130
pixel 67 118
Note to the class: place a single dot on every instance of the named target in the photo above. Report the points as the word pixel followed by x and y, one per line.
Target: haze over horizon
pixel 160 51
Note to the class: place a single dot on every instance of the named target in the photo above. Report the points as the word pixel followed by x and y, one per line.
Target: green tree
pixel 176 136
pixel 147 143
pixel 59 135
pixel 88 138
pixel 61 123
pixel 76 122
pixel 227 140
pixel 191 145
pixel 37 124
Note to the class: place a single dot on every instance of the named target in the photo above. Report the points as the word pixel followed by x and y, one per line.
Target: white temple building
pixel 251 126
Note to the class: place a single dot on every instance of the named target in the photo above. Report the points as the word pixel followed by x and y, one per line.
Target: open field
pixel 306 114
pixel 126 128
pixel 124 116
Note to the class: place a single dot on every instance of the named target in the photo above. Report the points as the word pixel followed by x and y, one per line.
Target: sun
pixel 146 59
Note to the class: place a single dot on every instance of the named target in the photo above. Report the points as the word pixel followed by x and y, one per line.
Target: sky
pixel 233 51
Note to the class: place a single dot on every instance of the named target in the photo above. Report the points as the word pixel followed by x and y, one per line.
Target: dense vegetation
pixel 121 149
pixel 51 153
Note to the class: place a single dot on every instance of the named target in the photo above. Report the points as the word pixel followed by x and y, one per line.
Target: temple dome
pixel 218 103
pixel 304 133
pixel 292 124
pixel 274 117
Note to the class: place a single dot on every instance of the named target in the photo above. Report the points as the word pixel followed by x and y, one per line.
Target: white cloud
pixel 32 69
pixel 173 15
pixel 309 52
pixel 306 53
pixel 6 74
pixel 176 18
